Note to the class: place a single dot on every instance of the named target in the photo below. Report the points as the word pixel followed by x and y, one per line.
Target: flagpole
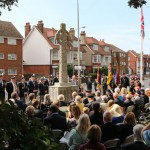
pixel 141 62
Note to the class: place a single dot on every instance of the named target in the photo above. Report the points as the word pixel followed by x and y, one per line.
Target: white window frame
pixel 12 41
pixel 95 47
pixel 2 71
pixel 2 54
pixel 12 71
pixel 12 56
pixel 96 58
pixel 75 43
pixel 2 39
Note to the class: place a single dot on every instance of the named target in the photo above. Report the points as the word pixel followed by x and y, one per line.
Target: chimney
pixel 82 38
pixel 72 33
pixel 27 29
pixel 40 25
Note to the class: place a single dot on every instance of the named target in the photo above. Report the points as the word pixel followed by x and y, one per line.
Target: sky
pixel 111 20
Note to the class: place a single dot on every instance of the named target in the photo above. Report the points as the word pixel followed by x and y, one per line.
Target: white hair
pixel 137 130
pixel 117 90
pixel 61 97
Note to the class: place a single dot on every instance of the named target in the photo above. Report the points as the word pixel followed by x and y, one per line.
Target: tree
pixel 18 132
pixel 7 4
pixel 136 3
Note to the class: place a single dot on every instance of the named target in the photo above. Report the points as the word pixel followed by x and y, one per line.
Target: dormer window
pixel 95 47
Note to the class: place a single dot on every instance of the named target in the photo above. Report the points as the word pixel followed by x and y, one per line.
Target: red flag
pixel 142 24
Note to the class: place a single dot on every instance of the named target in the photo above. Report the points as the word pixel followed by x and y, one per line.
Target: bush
pixel 18 132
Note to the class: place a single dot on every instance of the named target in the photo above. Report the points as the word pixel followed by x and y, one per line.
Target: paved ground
pixel 146 84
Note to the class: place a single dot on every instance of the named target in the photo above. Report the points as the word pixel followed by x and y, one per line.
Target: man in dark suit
pixel 124 81
pixel 23 89
pixel 48 82
pixel 2 88
pixel 109 130
pixel 33 85
pixel 42 90
pixel 54 119
pixel 91 101
pixel 138 143
pixel 56 79
pixel 11 86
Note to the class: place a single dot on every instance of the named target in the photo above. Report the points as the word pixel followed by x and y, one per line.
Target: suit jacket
pixel 119 102
pixel 55 80
pixel 42 89
pixel 89 85
pixel 96 118
pixel 32 85
pixel 136 145
pixel 9 89
pixel 124 82
pixel 22 88
pixel 109 131
pixel 2 89
pixel 124 131
pixel 56 121
pixel 20 104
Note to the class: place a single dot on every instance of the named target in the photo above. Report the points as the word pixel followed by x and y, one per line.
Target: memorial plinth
pixel 62 87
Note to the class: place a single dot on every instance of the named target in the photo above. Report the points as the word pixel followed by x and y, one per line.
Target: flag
pixel 98 79
pixel 117 77
pixel 142 24
pixel 110 76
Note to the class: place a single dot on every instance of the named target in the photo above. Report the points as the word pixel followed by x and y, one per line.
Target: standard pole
pixel 78 41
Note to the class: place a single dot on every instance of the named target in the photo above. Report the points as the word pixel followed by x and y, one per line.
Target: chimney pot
pixel 27 29
pixel 40 25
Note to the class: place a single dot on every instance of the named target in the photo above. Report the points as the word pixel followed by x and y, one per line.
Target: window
pixel 12 71
pixel 12 57
pixel 2 71
pixel 1 39
pixel 114 54
pixel 96 58
pixel 75 43
pixel 120 54
pixel 55 55
pixel 95 47
pixel 106 48
pixel 1 55
pixel 128 58
pixel 12 41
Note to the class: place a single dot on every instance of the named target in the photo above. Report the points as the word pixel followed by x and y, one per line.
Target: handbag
pixel 65 138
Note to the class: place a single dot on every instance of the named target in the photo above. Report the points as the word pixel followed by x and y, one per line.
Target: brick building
pixel 10 51
pixel 134 62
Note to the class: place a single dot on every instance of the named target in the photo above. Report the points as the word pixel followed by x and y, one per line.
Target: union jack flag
pixel 142 24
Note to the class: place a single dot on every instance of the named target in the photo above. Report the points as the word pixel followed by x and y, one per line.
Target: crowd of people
pixel 91 118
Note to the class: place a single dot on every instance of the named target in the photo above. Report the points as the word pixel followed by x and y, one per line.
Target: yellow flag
pixel 109 78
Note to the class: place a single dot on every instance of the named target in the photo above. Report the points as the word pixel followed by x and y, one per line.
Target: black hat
pixel 13 77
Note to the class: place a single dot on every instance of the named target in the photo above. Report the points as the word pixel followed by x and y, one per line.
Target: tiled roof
pixel 102 43
pixel 7 29
pixel 90 41
pixel 51 32
pixel 115 48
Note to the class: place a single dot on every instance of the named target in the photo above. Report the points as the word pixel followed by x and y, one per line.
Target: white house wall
pixel 36 50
